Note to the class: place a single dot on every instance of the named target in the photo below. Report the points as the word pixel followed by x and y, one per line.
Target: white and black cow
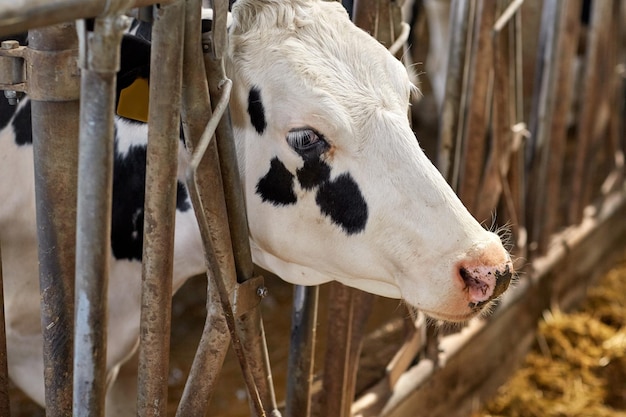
pixel 336 185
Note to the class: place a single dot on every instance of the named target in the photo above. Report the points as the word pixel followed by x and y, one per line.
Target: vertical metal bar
pixel 480 95
pixel 593 80
pixel 301 351
pixel 196 113
pixel 540 113
pixel 460 15
pixel 250 325
pixel 560 85
pixel 95 167
pixel 160 208
pixel 498 159
pixel 348 311
pixel 55 143
pixel 4 373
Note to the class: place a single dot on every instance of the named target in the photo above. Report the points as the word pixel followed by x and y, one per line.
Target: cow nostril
pixel 471 281
pixel 465 275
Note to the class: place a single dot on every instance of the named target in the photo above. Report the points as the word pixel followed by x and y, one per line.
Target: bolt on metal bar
pixel 4 373
pixel 301 351
pixel 160 208
pixel 55 148
pixel 100 63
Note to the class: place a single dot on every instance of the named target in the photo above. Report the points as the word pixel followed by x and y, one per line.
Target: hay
pixel 578 366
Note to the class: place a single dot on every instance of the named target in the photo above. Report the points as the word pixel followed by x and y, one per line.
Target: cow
pixel 335 183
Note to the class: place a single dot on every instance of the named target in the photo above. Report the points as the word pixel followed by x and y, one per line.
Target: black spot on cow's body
pixel 313 173
pixel 23 126
pixel 342 201
pixel 182 202
pixel 256 111
pixel 129 179
pixel 276 186
pixel 6 111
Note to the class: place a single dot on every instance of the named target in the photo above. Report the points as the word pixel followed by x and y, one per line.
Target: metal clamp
pixel 248 295
pixel 18 73
pixel 12 70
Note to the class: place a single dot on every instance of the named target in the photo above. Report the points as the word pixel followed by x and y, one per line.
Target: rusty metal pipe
pixel 93 216
pixel 22 15
pixel 160 208
pixel 301 351
pixel 55 148
pixel 348 311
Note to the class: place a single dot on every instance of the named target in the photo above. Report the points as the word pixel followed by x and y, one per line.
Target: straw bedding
pixel 578 366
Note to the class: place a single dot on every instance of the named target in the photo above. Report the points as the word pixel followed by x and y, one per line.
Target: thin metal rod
pixel 55 148
pixel 507 14
pixel 160 208
pixel 19 16
pixel 4 373
pixel 301 351
pixel 93 215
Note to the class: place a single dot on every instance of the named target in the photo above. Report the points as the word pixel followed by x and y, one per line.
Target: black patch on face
pixel 256 111
pixel 313 173
pixel 129 179
pixel 23 126
pixel 342 201
pixel 276 186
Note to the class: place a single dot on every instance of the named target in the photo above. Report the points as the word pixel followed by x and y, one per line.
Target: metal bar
pixel 460 15
pixel 480 96
pixel 160 208
pixel 600 68
pixel 540 114
pixel 93 214
pixel 4 373
pixel 209 222
pixel 22 15
pixel 250 326
pixel 591 87
pixel 566 43
pixel 55 148
pixel 498 159
pixel 348 312
pixel 196 113
pixel 301 351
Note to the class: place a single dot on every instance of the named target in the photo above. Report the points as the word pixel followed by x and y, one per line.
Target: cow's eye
pixel 306 141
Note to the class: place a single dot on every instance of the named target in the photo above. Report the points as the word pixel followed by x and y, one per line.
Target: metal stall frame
pixel 486 47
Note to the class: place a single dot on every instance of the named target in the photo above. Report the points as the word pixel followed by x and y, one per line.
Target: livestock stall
pixel 530 133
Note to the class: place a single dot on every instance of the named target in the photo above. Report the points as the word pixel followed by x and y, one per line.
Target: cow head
pixel 337 187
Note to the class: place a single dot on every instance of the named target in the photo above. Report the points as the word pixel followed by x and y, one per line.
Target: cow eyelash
pixel 306 139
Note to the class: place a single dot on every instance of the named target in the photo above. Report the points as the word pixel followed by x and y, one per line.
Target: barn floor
pixel 578 365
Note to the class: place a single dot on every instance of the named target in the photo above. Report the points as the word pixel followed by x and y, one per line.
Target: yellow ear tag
pixel 134 99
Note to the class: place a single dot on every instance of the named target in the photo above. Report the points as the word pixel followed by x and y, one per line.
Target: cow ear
pixel 133 79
